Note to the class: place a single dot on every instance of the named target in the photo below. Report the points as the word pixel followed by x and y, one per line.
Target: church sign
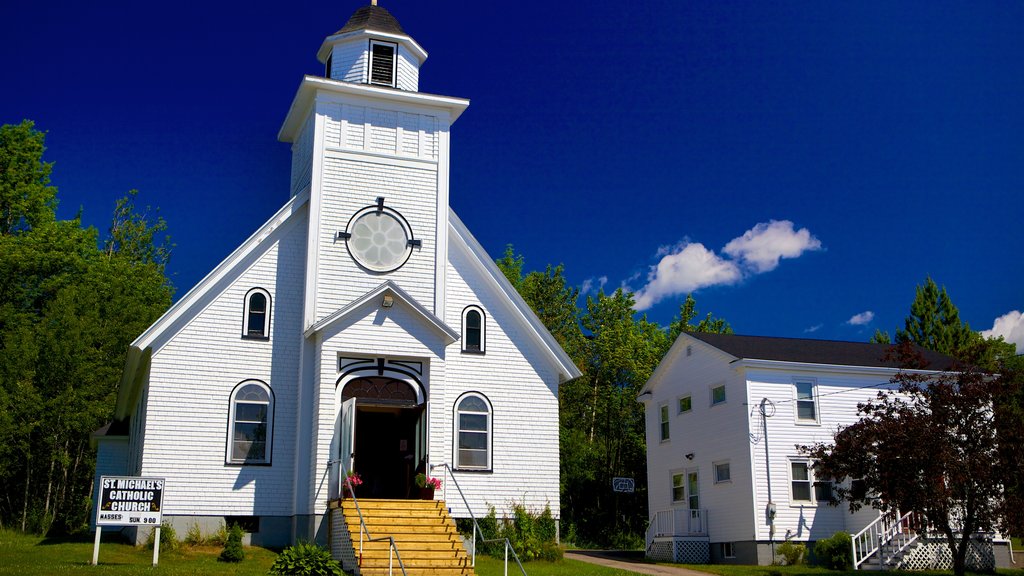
pixel 130 501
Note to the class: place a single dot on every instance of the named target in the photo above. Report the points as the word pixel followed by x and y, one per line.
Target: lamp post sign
pixel 129 501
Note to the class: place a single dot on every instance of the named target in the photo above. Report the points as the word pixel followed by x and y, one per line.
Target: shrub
pixel 792 554
pixel 233 551
pixel 218 538
pixel 834 553
pixel 306 559
pixel 168 538
pixel 194 536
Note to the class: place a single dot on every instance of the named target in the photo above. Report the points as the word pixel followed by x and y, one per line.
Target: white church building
pixel 362 325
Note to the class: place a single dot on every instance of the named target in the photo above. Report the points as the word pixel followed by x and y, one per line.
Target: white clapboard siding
pixel 838 395
pixel 711 433
pixel 408 70
pixel 192 377
pixel 302 158
pixel 522 389
pixel 348 61
pixel 349 185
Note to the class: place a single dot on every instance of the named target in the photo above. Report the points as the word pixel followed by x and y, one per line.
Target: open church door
pixel 347 441
pixel 420 453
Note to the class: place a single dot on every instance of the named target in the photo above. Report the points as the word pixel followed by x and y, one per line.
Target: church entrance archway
pixel 385 421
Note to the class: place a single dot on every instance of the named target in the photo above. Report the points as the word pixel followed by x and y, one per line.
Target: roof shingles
pixel 374 18
pixel 809 351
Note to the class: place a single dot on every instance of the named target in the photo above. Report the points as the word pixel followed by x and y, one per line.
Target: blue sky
pixel 800 166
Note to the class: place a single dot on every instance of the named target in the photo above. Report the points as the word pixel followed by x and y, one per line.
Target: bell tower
pixel 372 153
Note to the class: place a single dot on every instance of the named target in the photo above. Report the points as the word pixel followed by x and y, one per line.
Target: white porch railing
pixel 887 537
pixel 677 522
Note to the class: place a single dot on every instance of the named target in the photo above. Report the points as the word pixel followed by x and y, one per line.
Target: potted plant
pixel 348 485
pixel 427 486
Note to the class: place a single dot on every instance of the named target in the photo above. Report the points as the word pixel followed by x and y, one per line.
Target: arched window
pixel 256 321
pixel 251 425
pixel 473 330
pixel 473 432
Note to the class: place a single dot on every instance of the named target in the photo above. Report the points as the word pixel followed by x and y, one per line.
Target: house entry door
pixel 346 445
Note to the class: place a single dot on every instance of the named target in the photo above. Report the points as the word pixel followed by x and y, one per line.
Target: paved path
pixel 630 562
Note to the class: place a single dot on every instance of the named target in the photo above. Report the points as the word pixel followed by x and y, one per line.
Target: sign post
pixel 129 501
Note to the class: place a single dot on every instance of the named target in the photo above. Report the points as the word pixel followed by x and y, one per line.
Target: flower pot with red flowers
pixel 427 486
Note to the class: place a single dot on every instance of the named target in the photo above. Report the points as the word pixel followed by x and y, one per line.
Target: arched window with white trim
pixel 473 439
pixel 250 423
pixel 256 316
pixel 474 330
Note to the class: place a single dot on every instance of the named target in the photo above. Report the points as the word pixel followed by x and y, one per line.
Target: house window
pixel 718 394
pixel 823 492
pixel 251 424
pixel 663 411
pixel 727 549
pixel 692 490
pixel 685 404
pixel 473 432
pixel 473 330
pixel 678 488
pixel 806 403
pixel 382 63
pixel 722 472
pixel 256 319
pixel 800 480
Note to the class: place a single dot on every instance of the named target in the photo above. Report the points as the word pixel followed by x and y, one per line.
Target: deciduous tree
pixel 930 447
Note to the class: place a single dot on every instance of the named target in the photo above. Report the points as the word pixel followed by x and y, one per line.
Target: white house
pixel 362 325
pixel 724 414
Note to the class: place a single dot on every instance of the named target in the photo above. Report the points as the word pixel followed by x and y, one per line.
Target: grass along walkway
pixel 27 554
pixel 803 570
pixel 487 566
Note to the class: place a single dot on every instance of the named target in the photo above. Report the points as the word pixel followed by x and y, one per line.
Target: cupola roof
pixel 374 18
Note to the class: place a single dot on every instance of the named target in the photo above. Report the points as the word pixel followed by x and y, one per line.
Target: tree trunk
pixel 24 506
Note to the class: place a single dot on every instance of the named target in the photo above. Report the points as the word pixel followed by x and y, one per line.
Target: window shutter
pixel 382 65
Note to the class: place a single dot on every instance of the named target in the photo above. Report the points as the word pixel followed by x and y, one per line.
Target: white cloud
pixel 814 328
pixel 861 319
pixel 683 269
pixel 593 285
pixel 761 247
pixel 1011 327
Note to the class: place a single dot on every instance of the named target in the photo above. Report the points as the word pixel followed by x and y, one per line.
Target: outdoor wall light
pixel 389 301
pixel 689 456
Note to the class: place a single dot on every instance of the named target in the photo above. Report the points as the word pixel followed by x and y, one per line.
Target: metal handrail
pixel 449 473
pixel 393 550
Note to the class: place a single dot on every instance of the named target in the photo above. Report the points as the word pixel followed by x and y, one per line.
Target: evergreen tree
pixel 934 322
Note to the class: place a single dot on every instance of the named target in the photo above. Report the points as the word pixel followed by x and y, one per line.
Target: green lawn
pixel 487 566
pixel 738 570
pixel 26 554
pixel 22 554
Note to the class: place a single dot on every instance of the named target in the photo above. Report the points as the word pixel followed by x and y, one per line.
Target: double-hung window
pixel 800 481
pixel 473 432
pixel 256 316
pixel 722 472
pixel 678 488
pixel 718 394
pixel 251 423
pixel 663 414
pixel 806 402
pixel 474 330
pixel 685 404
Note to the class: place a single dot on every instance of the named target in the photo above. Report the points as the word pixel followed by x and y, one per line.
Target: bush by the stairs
pixel 306 559
pixel 531 534
pixel 792 554
pixel 233 551
pixel 834 553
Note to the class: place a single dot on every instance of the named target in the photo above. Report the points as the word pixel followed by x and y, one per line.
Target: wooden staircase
pixel 424 533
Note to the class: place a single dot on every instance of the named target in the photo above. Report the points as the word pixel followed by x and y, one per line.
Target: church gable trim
pixel 536 330
pixel 382 292
pixel 225 268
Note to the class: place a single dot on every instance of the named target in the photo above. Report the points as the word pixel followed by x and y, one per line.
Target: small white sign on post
pixel 129 501
pixel 623 485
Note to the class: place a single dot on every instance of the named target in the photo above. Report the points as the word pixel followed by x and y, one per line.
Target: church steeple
pixel 372 48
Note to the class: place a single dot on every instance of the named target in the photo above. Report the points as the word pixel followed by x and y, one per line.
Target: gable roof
pixel 388 287
pixel 536 331
pixel 808 351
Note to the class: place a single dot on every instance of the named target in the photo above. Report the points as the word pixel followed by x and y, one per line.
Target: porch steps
pixel 424 533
